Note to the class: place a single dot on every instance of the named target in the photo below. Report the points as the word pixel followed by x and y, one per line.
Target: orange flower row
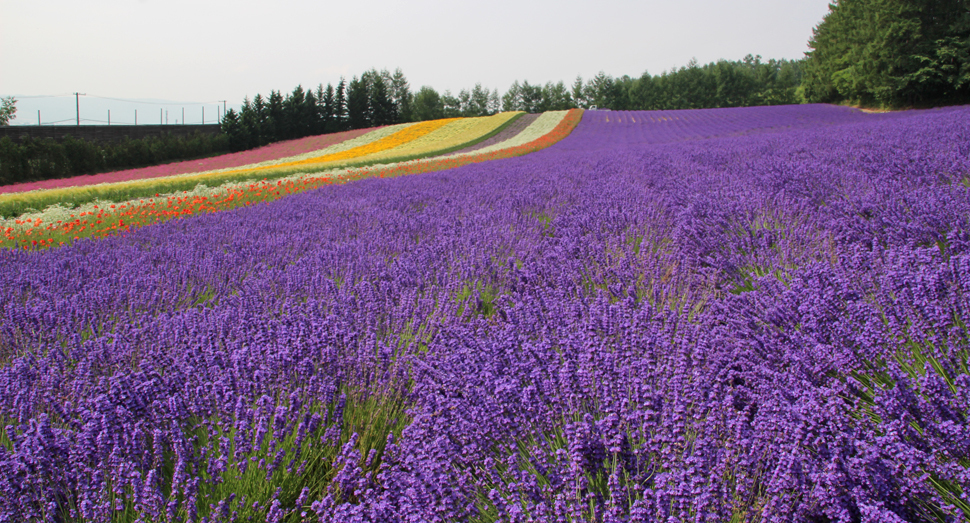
pixel 120 218
pixel 409 133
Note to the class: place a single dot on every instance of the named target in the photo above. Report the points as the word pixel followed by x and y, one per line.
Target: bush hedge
pixel 44 159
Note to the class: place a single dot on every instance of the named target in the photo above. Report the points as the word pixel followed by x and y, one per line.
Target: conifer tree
pixel 233 130
pixel 309 115
pixel 248 134
pixel 292 114
pixel 531 97
pixel 382 108
pixel 579 94
pixel 327 104
pixel 400 92
pixel 358 103
pixel 274 120
pixel 256 122
pixel 555 97
pixel 341 122
pixel 320 123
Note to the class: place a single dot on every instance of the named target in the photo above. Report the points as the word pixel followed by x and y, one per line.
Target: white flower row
pixel 544 124
pixel 363 139
pixel 454 133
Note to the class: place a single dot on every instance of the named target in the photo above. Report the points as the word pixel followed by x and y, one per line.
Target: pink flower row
pixel 262 154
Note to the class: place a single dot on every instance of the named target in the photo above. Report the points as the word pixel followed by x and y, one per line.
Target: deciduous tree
pixel 891 53
pixel 427 105
pixel 8 109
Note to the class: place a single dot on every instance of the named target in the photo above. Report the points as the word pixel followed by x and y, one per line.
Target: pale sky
pixel 206 50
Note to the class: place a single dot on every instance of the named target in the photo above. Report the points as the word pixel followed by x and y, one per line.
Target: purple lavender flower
pixel 753 313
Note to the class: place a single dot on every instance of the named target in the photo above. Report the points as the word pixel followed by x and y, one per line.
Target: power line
pixel 212 102
pixel 26 124
pixel 96 121
pixel 126 100
pixel 44 96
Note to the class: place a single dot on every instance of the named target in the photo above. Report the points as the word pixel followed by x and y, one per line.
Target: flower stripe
pixel 59 225
pixel 289 149
pixel 454 134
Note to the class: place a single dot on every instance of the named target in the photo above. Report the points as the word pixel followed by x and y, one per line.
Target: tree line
pixel 891 53
pixel 376 98
pixel 746 82
pixel 379 98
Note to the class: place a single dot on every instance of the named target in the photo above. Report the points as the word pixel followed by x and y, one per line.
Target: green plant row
pixel 16 205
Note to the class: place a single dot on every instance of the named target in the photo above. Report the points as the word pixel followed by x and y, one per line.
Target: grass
pixel 544 458
pixel 480 296
pixel 5 440
pixel 294 471
pixel 916 360
pixel 367 420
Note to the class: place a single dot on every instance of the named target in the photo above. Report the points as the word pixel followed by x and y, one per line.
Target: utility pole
pixel 109 116
pixel 38 117
pixel 136 116
pixel 77 103
pixel 159 116
pixel 203 115
pixel 183 116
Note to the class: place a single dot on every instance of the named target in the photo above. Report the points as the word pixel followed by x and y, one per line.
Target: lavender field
pixel 729 315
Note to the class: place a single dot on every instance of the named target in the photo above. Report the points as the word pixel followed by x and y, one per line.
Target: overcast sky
pixel 205 50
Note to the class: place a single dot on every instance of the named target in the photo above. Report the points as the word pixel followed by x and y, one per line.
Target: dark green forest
pixel 890 54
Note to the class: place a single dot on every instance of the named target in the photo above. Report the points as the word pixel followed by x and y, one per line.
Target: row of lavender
pixel 766 320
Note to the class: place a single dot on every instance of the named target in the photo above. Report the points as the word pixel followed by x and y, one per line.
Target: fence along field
pixel 727 315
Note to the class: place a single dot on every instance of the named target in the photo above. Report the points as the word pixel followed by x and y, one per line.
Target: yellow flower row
pixel 547 129
pixel 387 145
pixel 409 133
pixel 454 134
